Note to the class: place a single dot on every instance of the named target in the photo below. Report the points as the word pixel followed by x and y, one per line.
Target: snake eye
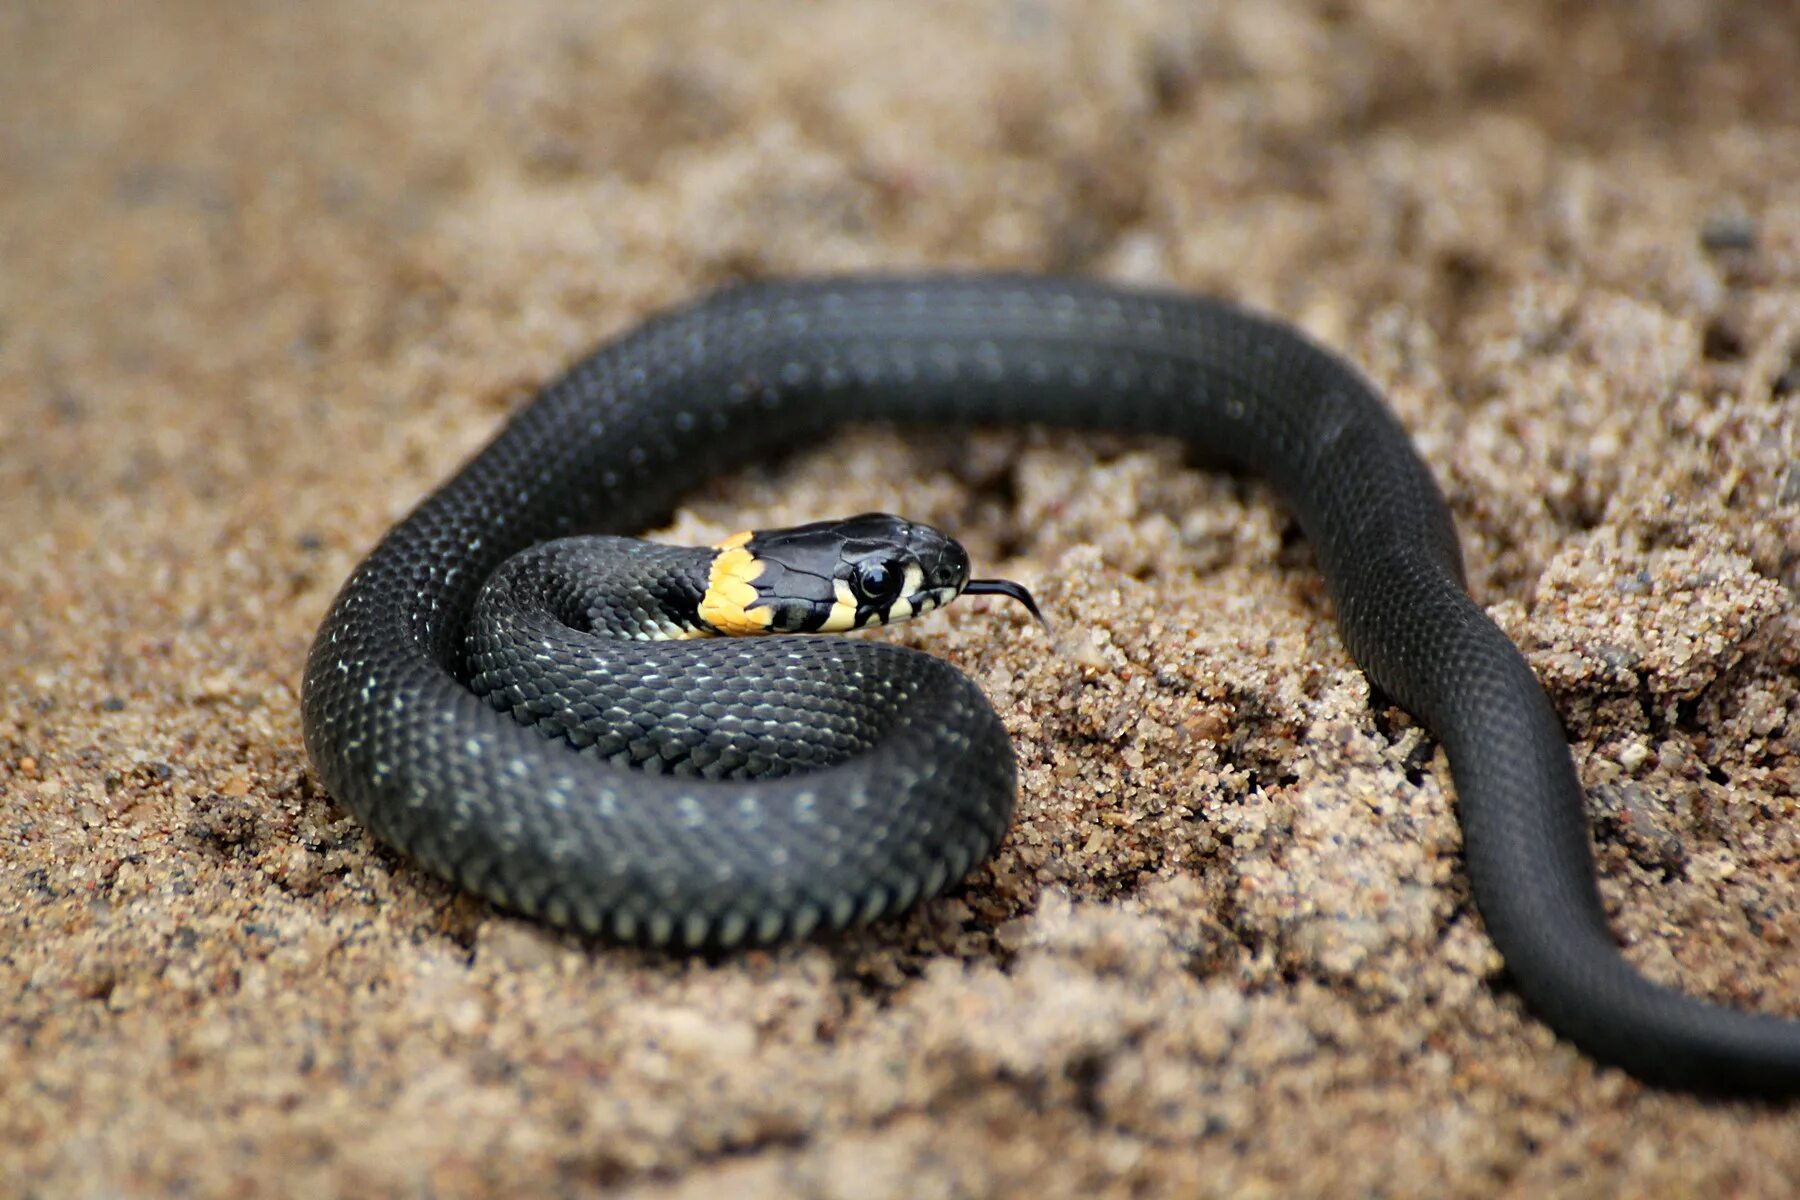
pixel 877 581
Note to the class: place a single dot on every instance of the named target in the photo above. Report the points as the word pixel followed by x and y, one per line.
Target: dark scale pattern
pixel 402 741
pixel 622 587
pixel 557 641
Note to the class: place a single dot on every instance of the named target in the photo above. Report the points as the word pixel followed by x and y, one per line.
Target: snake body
pixel 400 739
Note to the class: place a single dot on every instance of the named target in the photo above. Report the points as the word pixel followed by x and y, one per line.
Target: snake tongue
pixel 1006 587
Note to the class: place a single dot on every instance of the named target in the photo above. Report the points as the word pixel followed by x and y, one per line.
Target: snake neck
pixel 609 587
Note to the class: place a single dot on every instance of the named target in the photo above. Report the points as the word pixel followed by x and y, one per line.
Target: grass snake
pixel 399 737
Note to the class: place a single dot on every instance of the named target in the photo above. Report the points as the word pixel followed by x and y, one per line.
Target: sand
pixel 269 272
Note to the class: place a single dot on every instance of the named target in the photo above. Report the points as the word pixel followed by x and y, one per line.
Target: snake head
pixel 841 575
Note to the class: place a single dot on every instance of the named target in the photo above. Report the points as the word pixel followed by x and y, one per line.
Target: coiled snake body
pixel 400 739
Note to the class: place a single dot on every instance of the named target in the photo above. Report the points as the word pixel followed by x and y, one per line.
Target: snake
pixel 566 825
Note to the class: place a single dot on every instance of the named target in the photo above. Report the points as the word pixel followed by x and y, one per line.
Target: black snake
pixel 399 738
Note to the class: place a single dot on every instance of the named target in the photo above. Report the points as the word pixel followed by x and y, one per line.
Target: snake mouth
pixel 1006 587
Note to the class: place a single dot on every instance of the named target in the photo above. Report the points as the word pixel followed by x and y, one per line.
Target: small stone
pixel 1728 231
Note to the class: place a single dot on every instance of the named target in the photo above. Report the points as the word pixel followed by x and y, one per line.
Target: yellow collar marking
pixel 730 604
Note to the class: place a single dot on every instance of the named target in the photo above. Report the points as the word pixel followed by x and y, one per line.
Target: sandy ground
pixel 267 272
